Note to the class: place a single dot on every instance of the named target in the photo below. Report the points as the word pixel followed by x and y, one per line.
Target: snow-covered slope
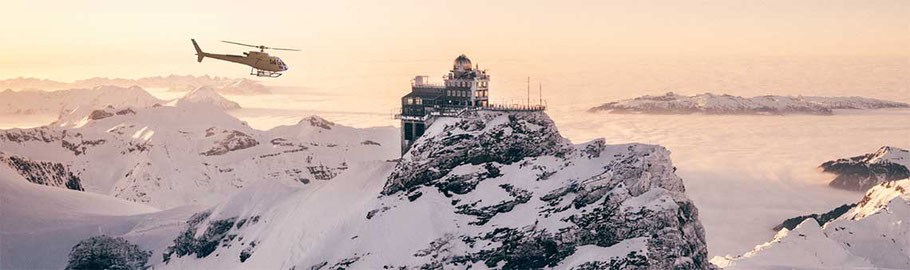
pixel 206 96
pixel 41 224
pixel 491 190
pixel 171 156
pixel 672 103
pixel 66 101
pixel 862 172
pixel 874 234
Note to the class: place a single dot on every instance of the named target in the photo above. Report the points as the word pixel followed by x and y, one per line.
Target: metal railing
pixel 427 85
pixel 514 107
pixel 455 111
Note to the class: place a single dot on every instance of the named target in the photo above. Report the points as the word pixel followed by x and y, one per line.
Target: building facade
pixel 463 87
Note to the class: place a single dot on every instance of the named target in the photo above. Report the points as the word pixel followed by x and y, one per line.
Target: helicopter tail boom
pixel 199 53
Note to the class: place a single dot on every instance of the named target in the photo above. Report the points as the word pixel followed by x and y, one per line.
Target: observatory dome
pixel 462 63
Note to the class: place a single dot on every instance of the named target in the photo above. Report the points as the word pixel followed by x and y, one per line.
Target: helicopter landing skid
pixel 264 73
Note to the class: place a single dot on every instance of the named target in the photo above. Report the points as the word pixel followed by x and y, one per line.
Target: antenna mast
pixel 540 94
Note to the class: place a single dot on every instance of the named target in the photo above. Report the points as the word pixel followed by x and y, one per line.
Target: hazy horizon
pixel 351 42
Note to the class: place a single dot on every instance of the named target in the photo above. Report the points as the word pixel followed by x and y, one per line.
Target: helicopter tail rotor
pixel 199 53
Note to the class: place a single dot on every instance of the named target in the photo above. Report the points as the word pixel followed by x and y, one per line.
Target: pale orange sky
pixel 68 40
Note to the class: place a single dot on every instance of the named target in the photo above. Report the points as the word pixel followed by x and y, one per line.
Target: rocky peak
pixel 889 154
pixel 862 172
pixel 480 138
pixel 207 96
pixel 571 198
pixel 879 197
pixel 317 121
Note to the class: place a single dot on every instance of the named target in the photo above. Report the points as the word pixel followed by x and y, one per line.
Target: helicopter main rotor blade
pixel 284 49
pixel 241 44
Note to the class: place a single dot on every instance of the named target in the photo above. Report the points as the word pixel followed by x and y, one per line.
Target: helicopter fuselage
pixel 257 60
pixel 263 65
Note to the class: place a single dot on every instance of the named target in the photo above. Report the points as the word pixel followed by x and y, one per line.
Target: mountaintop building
pixel 464 88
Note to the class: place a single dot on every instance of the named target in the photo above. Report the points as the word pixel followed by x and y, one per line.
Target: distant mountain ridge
pixel 74 105
pixel 708 103
pixel 178 83
pixel 170 156
pixel 66 101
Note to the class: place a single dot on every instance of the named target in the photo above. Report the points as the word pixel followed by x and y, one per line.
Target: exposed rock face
pixel 105 252
pixel 870 235
pixel 229 141
pixel 216 232
pixel 568 197
pixel 99 114
pixel 108 112
pixel 44 173
pixel 821 219
pixel 470 141
pixel 317 121
pixel 860 173
pixel 708 103
pixel 203 235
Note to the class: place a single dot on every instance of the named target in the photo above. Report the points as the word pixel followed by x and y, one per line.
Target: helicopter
pixel 263 65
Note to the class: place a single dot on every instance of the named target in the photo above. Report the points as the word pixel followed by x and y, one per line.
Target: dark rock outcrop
pixel 105 252
pixel 317 121
pixel 217 233
pixel 860 173
pixel 821 219
pixel 44 173
pixel 229 141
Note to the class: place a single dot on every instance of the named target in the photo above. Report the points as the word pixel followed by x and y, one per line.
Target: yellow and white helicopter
pixel 263 65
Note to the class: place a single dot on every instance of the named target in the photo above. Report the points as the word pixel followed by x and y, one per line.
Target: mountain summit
pixel 207 96
pixel 860 173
